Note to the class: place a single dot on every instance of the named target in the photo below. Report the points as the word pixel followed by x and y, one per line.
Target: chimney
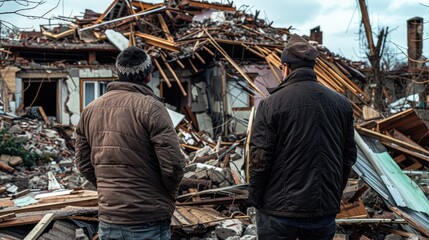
pixel 415 42
pixel 316 35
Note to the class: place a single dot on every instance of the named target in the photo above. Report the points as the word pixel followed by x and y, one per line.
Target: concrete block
pixel 393 237
pixel 341 236
pixel 80 235
pixel 74 72
pixel 83 73
pixel 201 174
pixel 96 73
pixel 190 175
pixel 106 73
pixel 251 230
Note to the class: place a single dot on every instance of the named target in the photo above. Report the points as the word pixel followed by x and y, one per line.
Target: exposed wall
pixel 265 78
pixel 71 113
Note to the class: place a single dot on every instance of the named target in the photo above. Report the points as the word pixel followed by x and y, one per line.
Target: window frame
pixel 98 82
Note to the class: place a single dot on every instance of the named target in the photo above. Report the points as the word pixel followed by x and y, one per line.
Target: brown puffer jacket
pixel 126 145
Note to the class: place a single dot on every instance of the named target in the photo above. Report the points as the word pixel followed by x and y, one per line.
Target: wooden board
pixel 40 227
pixel 354 210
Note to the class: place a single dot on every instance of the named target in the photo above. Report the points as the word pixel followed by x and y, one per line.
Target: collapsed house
pixel 213 63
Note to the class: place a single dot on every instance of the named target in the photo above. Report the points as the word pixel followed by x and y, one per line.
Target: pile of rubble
pixel 212 203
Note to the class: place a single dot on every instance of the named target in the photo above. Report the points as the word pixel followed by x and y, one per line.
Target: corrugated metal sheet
pixel 373 161
pixel 404 191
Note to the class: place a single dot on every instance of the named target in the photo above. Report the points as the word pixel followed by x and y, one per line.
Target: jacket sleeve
pixel 83 154
pixel 350 151
pixel 262 144
pixel 166 144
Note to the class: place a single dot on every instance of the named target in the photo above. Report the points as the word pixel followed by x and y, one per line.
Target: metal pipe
pixel 123 18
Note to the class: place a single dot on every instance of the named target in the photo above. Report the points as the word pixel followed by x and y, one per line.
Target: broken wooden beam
pixel 413 222
pixel 165 28
pixel 161 71
pixel 235 65
pixel 158 42
pixel 385 138
pixel 173 73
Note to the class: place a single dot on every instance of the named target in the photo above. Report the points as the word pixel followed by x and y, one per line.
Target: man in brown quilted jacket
pixel 127 147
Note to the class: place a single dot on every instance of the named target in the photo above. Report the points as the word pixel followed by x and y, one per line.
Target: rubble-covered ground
pixel 38 178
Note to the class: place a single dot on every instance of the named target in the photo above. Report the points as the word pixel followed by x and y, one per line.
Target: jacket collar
pixel 297 75
pixel 142 88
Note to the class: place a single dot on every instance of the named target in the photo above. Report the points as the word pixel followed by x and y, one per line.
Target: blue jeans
pixel 152 230
pixel 274 227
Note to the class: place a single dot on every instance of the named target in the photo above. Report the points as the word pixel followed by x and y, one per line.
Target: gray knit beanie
pixel 299 53
pixel 133 64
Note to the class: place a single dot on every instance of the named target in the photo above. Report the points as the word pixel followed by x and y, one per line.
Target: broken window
pixel 238 94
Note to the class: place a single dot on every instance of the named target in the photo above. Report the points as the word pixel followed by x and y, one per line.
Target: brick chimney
pixel 316 35
pixel 415 42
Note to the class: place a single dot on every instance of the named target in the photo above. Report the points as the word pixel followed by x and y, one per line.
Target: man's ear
pixel 285 71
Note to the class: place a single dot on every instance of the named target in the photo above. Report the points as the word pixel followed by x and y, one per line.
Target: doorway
pixel 42 93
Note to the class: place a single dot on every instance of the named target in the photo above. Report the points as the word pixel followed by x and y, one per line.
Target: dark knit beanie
pixel 133 64
pixel 299 53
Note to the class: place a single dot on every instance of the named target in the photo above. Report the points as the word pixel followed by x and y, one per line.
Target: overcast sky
pixel 339 19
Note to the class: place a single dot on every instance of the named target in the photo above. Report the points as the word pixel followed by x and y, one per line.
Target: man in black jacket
pixel 302 149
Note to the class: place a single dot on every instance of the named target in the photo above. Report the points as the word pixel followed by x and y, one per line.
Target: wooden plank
pixel 43 114
pixel 34 217
pixel 353 210
pixel 40 227
pixel 247 47
pixel 401 233
pixel 411 221
pixel 20 194
pixel 6 202
pixel 180 64
pixel 369 113
pixel 209 51
pixel 193 66
pixel 247 145
pixel 382 137
pixel 400 158
pixel 206 5
pixel 161 71
pixel 400 136
pixel 102 16
pixel 145 6
pixel 345 80
pixel 165 28
pixel 174 76
pixel 200 58
pixel 7 217
pixel 20 221
pixel 159 42
pixel 88 201
pixel 415 166
pixel 235 65
pixel 405 150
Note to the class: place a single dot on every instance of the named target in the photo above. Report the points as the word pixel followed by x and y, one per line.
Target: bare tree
pixel 22 8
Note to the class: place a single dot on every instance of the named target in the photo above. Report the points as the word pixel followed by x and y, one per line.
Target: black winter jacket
pixel 302 148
